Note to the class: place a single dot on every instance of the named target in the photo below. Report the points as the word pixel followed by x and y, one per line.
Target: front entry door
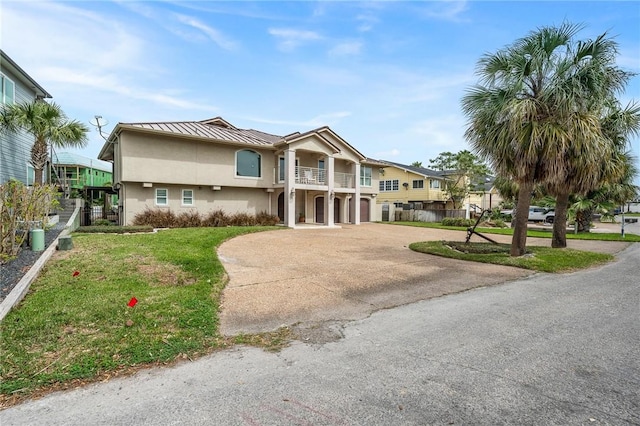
pixel 320 210
pixel 364 210
pixel 336 210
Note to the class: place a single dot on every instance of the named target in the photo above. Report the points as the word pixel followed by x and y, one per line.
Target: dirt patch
pixel 160 274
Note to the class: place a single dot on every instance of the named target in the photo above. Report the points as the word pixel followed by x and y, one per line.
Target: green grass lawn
pixel 543 259
pixel 601 236
pixel 76 328
pixel 71 329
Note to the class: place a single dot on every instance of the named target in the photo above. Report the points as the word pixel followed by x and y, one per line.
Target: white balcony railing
pixel 311 176
pixel 343 180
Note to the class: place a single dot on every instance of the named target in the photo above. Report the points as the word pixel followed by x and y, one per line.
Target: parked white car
pixel 536 214
pixel 541 214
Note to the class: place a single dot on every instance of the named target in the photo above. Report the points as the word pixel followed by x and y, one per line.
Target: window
pixel 248 164
pixel 187 197
pixel 418 184
pixel 365 176
pixel 162 197
pixel 389 185
pixel 434 184
pixel 282 166
pixel 7 90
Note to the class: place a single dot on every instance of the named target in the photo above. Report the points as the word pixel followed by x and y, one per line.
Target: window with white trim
pixel 365 176
pixel 248 164
pixel 418 184
pixel 187 197
pixel 389 185
pixel 162 197
pixel 434 184
pixel 7 90
pixel 282 167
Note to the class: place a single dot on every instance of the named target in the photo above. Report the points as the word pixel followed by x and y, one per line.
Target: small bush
pixel 190 219
pixel 215 218
pixel 242 219
pixel 103 222
pixel 113 229
pixel 157 218
pixel 457 221
pixel 266 219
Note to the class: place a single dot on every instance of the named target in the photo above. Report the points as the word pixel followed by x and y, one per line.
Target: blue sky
pixel 386 76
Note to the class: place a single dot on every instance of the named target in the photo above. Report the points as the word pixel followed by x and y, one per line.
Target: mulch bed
pixel 14 270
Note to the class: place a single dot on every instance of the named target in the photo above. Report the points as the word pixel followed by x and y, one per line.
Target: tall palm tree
pixel 614 169
pixel 48 124
pixel 530 106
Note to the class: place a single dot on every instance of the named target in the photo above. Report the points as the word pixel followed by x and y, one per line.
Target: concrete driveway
pixel 305 276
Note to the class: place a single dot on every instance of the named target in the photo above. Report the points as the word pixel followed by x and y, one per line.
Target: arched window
pixel 248 164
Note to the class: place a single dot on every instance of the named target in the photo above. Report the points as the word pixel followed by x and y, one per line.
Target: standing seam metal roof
pixel 199 129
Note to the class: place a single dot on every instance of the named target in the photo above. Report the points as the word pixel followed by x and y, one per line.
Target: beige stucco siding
pixel 230 200
pixel 160 159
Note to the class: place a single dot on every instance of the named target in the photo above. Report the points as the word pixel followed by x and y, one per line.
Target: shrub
pixel 242 219
pixel 266 219
pixel 20 208
pixel 113 229
pixel 457 221
pixel 157 218
pixel 215 218
pixel 102 222
pixel 190 219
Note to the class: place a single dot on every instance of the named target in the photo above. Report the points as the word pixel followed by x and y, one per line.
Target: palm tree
pixel 614 170
pixel 530 110
pixel 48 124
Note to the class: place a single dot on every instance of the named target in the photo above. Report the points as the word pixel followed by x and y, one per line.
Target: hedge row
pixel 162 218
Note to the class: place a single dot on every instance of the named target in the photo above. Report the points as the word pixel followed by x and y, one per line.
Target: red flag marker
pixel 76 273
pixel 132 302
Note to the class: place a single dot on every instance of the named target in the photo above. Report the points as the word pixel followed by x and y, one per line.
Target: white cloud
pixel 213 34
pixel 447 10
pixel 440 132
pixel 366 21
pixel 290 39
pixel 346 49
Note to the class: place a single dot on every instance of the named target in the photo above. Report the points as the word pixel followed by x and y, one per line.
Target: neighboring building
pixel 485 197
pixel 313 177
pixel 16 86
pixel 412 187
pixel 75 172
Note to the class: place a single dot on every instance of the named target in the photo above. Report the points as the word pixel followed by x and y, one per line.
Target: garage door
pixel 364 210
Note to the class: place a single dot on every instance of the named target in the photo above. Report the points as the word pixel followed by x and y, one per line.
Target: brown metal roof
pixel 210 131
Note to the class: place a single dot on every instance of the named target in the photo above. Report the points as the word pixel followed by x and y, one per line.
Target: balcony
pixel 315 176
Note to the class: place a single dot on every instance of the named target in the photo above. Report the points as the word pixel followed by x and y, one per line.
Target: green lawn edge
pixel 75 325
pixel 594 236
pixel 541 259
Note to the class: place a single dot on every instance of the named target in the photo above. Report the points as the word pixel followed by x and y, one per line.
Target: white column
pixel 290 188
pixel 329 200
pixel 356 196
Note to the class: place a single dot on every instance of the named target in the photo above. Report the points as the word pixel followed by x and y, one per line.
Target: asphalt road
pixel 548 349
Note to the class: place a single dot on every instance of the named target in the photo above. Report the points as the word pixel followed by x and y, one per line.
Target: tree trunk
pixel 584 219
pixel 39 159
pixel 559 239
pixel 519 240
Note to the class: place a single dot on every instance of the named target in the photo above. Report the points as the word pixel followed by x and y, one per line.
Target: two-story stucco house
pixel 16 86
pixel 311 177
